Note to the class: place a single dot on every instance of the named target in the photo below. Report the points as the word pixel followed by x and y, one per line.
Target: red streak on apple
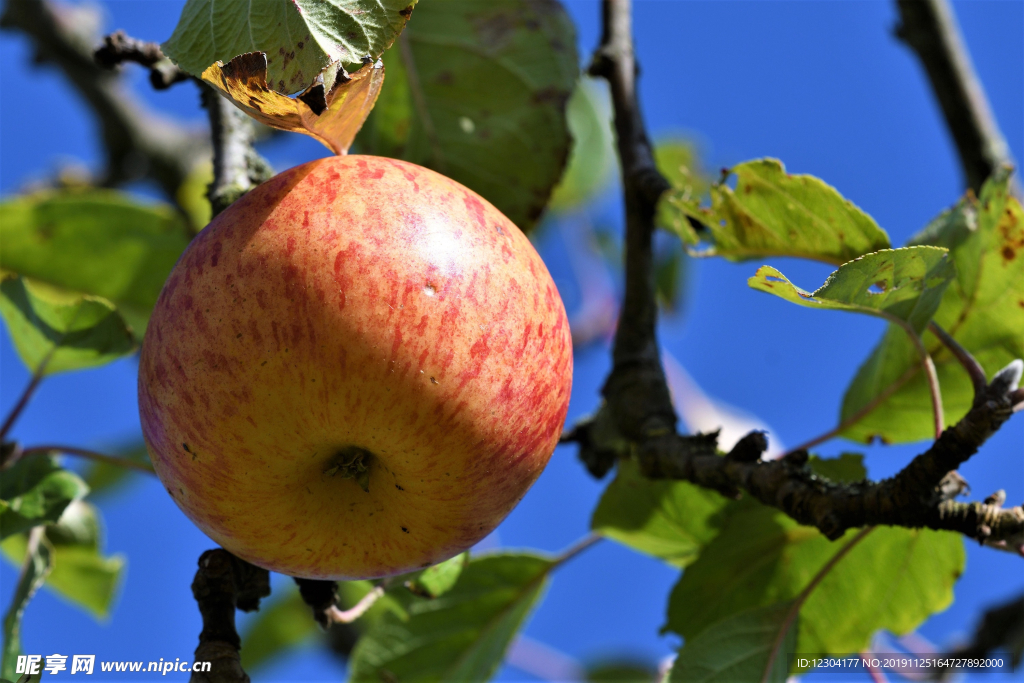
pixel 354 301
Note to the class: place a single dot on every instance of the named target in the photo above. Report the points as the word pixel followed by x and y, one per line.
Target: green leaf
pixel 32 576
pixel 103 477
pixel 904 286
pixel 893 579
pixel 281 624
pixel 300 37
pixel 81 573
pixel 95 242
pixel 57 331
pixel 439 579
pixel 738 649
pixel 592 158
pixel 191 195
pixel 773 213
pixel 678 162
pixel 35 490
pixel 983 308
pixel 460 636
pixel 478 91
pixel 351 592
pixel 848 467
pixel 671 520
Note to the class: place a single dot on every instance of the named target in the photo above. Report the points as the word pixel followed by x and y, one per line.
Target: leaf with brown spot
pixel 332 114
pixel 300 37
pixel 773 213
pixel 981 309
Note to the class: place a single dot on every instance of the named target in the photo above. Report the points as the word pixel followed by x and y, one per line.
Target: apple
pixel 357 370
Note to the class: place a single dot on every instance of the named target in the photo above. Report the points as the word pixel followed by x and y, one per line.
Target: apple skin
pixel 354 301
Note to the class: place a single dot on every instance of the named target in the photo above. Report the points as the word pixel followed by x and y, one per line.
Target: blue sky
pixel 821 85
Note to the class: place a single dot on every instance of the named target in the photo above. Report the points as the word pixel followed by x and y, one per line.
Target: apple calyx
pixel 352 462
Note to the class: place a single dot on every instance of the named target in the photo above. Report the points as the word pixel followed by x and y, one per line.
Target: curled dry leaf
pixel 332 109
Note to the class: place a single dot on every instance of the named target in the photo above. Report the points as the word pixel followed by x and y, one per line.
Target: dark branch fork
pixel 637 419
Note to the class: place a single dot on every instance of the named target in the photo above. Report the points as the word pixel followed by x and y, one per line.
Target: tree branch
pixel 919 496
pixel 90 455
pixel 636 391
pixel 222 584
pixel 237 168
pixel 119 47
pixel 637 419
pixel 138 143
pixel 930 29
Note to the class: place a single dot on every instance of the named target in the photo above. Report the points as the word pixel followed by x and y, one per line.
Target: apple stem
pixel 339 616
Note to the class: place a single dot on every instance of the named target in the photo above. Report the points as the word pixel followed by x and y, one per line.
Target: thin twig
pixel 866 410
pixel 930 28
pixel 118 48
pixel 33 384
pixel 16 411
pixel 932 377
pixel 91 455
pixel 970 364
pixel 347 616
pixel 576 548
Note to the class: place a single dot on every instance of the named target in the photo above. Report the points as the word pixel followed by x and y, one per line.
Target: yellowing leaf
pixel 331 110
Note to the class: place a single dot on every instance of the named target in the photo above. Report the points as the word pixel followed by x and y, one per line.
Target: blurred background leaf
pixel 95 242
pixel 57 331
pixel 592 159
pixel 478 92
pixel 81 573
pixel 437 580
pixel 35 490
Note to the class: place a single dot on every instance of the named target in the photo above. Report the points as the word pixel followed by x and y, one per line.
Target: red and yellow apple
pixel 356 370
